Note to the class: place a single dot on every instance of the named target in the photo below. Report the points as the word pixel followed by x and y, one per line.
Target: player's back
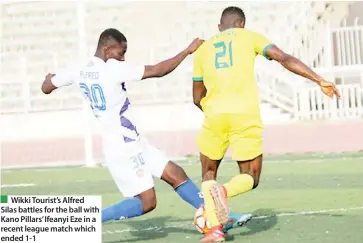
pixel 225 63
pixel 103 89
pixel 103 85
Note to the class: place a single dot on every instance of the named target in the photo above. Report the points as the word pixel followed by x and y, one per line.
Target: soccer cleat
pixel 219 195
pixel 215 235
pixel 236 220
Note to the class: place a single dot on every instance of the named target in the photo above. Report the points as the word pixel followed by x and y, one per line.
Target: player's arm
pixel 264 47
pixel 199 89
pixel 298 67
pixel 165 67
pixel 199 92
pixel 54 81
pixel 128 72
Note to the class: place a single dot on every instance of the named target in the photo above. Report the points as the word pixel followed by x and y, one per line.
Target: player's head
pixel 232 17
pixel 112 44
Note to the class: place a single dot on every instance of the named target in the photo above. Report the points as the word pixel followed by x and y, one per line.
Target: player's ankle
pixel 217 227
pixel 225 190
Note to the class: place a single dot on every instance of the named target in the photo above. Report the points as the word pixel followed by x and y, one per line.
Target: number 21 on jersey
pixel 223 50
pixel 95 96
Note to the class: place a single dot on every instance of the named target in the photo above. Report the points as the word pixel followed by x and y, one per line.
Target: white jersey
pixel 103 84
pixel 133 163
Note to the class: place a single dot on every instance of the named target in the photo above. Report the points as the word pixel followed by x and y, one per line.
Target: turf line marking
pixel 310 212
pixel 188 162
pixel 190 224
pixel 16 185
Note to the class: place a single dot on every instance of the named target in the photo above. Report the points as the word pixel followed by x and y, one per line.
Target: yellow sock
pixel 209 203
pixel 239 184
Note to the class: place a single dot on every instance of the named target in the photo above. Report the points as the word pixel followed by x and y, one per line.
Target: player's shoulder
pixel 256 34
pixel 120 66
pixel 130 71
pixel 209 42
pixel 230 33
pixel 246 32
pixel 86 63
pixel 200 50
pixel 113 61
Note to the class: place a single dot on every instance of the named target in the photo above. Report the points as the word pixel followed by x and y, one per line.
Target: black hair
pixel 234 11
pixel 111 34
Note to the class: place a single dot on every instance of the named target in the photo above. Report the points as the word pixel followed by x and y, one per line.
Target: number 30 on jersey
pixel 95 96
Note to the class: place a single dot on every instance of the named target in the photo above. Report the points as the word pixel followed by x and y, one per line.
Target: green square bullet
pixel 4 199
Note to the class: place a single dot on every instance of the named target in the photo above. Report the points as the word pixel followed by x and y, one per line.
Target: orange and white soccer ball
pixel 201 222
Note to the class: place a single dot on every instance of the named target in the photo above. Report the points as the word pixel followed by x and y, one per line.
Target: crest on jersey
pixel 90 64
pixel 140 173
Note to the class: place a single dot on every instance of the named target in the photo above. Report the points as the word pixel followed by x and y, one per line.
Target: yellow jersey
pixel 225 64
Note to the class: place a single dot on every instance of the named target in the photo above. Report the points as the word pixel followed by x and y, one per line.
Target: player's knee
pixel 255 175
pixel 256 179
pixel 179 172
pixel 209 171
pixel 174 175
pixel 148 200
pixel 149 204
pixel 256 182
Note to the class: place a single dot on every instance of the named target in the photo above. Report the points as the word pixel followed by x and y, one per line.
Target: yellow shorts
pixel 243 133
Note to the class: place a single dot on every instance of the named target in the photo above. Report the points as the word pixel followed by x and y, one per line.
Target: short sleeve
pixel 262 44
pixel 197 67
pixel 64 78
pixel 127 72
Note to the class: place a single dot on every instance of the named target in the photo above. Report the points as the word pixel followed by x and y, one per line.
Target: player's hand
pixel 194 45
pixel 329 89
pixel 49 76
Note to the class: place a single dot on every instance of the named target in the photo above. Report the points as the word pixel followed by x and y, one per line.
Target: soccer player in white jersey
pixel 131 160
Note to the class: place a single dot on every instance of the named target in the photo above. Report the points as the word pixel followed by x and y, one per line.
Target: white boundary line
pixel 190 224
pixel 17 185
pixel 188 162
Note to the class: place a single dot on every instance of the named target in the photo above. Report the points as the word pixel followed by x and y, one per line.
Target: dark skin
pixel 173 174
pixel 254 166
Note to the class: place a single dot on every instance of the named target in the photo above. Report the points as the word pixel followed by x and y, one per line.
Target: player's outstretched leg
pixel 209 174
pixel 247 180
pixel 131 207
pixel 176 177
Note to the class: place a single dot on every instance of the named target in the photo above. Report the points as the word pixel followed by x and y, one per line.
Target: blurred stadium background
pixel 41 37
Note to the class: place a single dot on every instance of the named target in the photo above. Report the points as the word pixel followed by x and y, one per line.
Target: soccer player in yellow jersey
pixel 225 89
